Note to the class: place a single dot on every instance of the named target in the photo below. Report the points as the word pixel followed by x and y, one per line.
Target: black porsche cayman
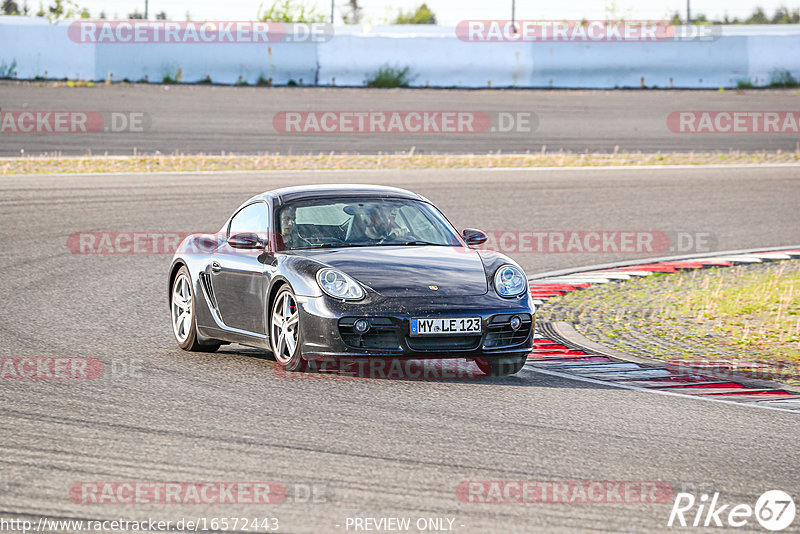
pixel 349 271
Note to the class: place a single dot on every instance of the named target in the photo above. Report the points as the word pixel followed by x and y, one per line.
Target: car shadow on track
pixel 452 370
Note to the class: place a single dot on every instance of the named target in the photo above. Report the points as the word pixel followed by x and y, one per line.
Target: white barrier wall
pixel 221 63
pixel 437 58
pixel 668 64
pixel 767 53
pixel 43 50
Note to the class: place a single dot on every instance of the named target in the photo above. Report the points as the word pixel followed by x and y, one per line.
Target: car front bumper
pixel 327 333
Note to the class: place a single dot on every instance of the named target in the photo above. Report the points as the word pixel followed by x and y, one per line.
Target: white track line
pixel 654 391
pixel 635 167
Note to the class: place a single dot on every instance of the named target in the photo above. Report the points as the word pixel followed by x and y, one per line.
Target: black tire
pixel 491 367
pixel 187 340
pixel 291 360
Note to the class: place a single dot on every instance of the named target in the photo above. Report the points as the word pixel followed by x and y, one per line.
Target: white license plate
pixel 444 326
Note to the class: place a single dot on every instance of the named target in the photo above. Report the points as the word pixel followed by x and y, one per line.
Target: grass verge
pixel 55 164
pixel 752 309
pixel 743 319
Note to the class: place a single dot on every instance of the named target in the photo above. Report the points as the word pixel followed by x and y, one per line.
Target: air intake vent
pixel 206 283
pixel 501 335
pixel 382 334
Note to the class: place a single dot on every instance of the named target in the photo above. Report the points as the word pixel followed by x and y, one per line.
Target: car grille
pixel 382 334
pixel 500 335
pixel 443 342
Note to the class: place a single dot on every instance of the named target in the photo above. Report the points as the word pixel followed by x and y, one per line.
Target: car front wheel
pixel 184 324
pixel 285 331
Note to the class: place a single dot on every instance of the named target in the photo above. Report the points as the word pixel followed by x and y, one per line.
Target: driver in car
pixel 377 224
pixel 287 229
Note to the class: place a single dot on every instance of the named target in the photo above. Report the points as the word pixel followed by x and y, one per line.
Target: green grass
pixel 783 78
pixel 390 77
pixel 7 72
pixel 171 77
pixel 756 310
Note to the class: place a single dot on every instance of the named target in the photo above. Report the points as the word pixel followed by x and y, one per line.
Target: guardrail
pixel 33 48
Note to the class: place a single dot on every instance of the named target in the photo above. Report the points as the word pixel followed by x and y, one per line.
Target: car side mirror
pixel 474 237
pixel 246 240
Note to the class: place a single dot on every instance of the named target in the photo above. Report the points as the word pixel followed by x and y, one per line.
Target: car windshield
pixel 362 222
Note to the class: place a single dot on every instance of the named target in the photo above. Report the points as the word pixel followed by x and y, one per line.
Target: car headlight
pixel 510 281
pixel 338 285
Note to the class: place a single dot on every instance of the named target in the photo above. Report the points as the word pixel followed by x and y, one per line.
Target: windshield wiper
pixel 353 245
pixel 321 245
pixel 331 245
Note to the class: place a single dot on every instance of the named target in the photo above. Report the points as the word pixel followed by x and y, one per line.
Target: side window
pixel 251 219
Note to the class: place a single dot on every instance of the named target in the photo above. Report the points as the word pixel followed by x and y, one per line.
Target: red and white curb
pixel 557 355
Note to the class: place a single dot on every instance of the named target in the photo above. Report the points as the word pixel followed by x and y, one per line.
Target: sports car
pixel 350 271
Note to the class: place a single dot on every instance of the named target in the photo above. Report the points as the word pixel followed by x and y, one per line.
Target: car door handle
pixel 216 267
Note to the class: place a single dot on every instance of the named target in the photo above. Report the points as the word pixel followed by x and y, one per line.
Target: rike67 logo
pixel 774 510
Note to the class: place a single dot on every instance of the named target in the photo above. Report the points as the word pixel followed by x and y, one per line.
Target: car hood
pixel 410 271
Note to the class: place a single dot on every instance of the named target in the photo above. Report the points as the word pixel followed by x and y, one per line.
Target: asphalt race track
pixel 211 119
pixel 379 448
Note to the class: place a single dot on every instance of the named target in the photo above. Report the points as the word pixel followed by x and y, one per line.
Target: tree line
pixel 279 11
pixel 782 15
pixel 351 13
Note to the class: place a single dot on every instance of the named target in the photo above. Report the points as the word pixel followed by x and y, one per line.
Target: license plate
pixel 444 326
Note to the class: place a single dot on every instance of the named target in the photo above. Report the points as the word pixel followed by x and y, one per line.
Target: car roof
pixel 303 192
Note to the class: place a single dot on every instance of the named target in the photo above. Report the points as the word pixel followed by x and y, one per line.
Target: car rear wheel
pixel 501 368
pixel 184 324
pixel 285 331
